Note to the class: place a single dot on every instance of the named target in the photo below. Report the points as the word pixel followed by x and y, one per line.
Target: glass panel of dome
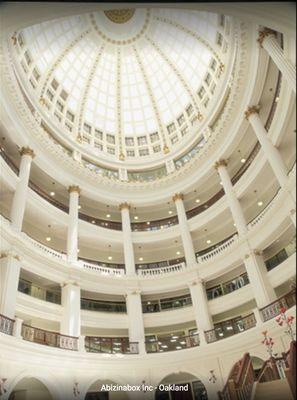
pixel 98 145
pixel 130 153
pixel 154 137
pixel 110 139
pixel 129 141
pixel 143 152
pixel 181 119
pixel 141 140
pixel 110 150
pixel 157 149
pixel 70 116
pixel 49 94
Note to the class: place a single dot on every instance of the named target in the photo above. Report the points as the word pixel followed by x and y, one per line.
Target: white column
pixel 135 319
pixel 20 195
pixel 232 200
pixel 264 293
pixel 200 306
pixel 127 239
pixel 272 154
pixel 17 328
pixel 10 267
pixel 72 233
pixel 184 230
pixel 70 321
pixel 268 41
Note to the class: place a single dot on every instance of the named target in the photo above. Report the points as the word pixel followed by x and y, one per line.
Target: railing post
pixel 81 344
pixel 258 316
pixel 17 328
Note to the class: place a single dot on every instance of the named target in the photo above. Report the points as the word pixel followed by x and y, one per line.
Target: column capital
pixel 177 196
pixel 264 33
pixel 66 283
pixel 124 205
pixel 196 281
pixel 220 163
pixel 27 151
pixel 251 110
pixel 74 188
pixel 257 252
pixel 132 292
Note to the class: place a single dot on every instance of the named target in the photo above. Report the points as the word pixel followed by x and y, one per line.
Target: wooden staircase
pixel 274 390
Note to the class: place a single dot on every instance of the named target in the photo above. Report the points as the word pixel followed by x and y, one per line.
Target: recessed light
pixel 276 99
pixel 208 241
pixel 93 222
pixel 178 253
pixel 221 183
pixel 135 217
pixel 79 207
pixel 243 160
pixel 197 200
pixel 260 203
pixel 234 224
pixel 52 193
pixel 48 238
pixel 148 223
pixel 107 215
pixel 140 259
pixel 170 212
pixel 161 226
pixel 110 257
pixel 78 250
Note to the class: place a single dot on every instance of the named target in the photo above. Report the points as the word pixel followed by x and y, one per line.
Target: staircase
pixel 274 390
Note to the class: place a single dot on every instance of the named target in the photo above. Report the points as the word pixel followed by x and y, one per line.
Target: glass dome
pixel 126 83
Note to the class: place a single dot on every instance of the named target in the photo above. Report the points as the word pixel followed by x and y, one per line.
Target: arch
pixel 47 381
pixel 94 386
pixel 196 389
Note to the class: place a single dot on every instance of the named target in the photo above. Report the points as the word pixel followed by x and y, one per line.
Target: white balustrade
pixel 218 250
pixel 103 270
pixel 161 270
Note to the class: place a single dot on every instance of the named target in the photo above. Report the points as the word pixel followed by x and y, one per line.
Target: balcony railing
pixel 6 325
pixel 48 338
pixel 272 310
pixel 282 255
pixel 166 304
pixel 228 287
pixel 110 345
pixel 103 306
pixel 230 327
pixel 161 270
pixel 172 343
pixel 39 292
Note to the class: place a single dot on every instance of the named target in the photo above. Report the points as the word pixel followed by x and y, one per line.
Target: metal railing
pixel 273 309
pixel 103 306
pixel 172 343
pixel 228 287
pixel 110 345
pixel 6 325
pixel 48 338
pixel 39 292
pixel 151 306
pixel 230 327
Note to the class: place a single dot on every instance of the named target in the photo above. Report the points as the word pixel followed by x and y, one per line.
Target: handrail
pixel 273 309
pixel 6 324
pixel 110 345
pixel 49 338
pixel 233 326
pixel 171 343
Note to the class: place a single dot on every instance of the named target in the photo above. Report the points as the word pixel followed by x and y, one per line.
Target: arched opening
pixel 30 388
pixel 100 390
pixel 257 363
pixel 181 386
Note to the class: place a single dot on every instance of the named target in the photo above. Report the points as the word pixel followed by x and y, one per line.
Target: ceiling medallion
pixel 120 16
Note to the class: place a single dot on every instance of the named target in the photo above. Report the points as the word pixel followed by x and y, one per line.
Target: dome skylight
pixel 125 83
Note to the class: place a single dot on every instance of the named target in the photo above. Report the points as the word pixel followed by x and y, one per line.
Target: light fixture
pixel 78 250
pixel 136 217
pixel 243 160
pixel 48 238
pixel 79 207
pixel 197 200
pixel 208 241
pixel 259 202
pixel 52 193
pixel 276 99
pixel 172 340
pixel 148 223
pixel 93 222
pixel 221 183
pixel 110 257
pixel 140 259
pixel 178 253
pixel 170 212
pixel 107 215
